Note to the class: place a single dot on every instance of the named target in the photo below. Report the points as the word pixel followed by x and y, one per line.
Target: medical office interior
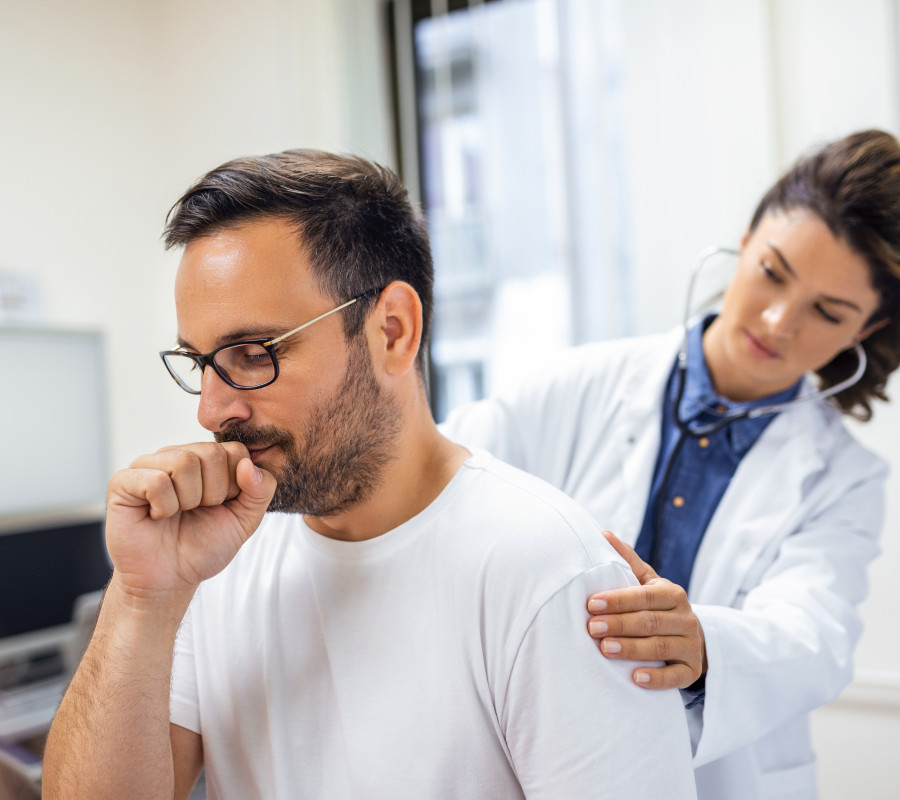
pixel 572 156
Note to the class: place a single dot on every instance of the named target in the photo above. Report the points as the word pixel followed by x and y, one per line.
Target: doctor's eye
pixel 769 272
pixel 828 317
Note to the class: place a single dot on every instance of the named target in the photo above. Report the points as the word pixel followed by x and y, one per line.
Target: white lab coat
pixel 780 571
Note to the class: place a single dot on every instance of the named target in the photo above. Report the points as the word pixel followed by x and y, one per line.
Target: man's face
pixel 326 428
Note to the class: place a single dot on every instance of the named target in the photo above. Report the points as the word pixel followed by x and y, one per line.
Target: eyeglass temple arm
pixel 307 324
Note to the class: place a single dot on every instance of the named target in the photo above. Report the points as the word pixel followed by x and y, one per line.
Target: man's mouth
pixel 258 451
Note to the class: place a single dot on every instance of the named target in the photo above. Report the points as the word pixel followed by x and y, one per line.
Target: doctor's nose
pixel 220 404
pixel 781 319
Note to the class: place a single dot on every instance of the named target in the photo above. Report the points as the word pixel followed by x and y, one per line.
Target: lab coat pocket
pixel 793 783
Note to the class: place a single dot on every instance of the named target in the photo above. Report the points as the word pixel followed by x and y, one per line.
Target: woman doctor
pixel 752 510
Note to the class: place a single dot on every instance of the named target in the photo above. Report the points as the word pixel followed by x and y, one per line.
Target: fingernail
pixel 257 474
pixel 610 646
pixel 597 627
pixel 642 677
pixel 596 605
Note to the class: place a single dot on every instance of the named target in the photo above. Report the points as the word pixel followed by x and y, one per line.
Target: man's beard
pixel 345 443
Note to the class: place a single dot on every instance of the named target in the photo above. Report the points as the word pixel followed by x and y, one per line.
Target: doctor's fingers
pixel 671 676
pixel 641 569
pixel 657 595
pixel 643 624
pixel 684 659
pixel 202 474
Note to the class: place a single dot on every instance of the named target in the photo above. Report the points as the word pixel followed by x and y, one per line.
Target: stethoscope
pixel 732 415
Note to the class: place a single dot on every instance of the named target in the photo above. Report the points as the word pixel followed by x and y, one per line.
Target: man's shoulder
pixel 527 519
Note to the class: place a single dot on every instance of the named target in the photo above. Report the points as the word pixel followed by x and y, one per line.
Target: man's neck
pixel 409 484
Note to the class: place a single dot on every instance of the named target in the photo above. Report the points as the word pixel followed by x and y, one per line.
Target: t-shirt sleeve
pixel 575 723
pixel 184 707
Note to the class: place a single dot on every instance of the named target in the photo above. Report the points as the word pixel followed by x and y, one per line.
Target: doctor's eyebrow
pixel 784 262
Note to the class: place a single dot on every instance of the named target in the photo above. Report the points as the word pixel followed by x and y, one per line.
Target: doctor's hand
pixel 178 517
pixel 650 622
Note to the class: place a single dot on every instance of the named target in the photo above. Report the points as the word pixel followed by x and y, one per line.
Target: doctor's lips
pixel 759 348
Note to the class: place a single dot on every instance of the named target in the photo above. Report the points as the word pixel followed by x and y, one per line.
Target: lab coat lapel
pixel 759 507
pixel 640 431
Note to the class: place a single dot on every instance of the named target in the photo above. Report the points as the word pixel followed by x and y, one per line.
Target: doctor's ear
pixel 745 238
pixel 395 328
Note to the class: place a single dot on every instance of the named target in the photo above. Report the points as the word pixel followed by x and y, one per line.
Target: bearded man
pixel 332 600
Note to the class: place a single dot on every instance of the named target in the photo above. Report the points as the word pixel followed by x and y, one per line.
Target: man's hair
pixel 853 186
pixel 353 218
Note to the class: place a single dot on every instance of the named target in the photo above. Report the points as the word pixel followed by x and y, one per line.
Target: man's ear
pixel 396 328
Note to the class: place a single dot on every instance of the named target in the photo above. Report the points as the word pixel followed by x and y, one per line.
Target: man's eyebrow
pixel 837 300
pixel 238 335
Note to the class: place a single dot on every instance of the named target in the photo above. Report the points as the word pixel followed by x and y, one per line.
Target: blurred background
pixel 572 156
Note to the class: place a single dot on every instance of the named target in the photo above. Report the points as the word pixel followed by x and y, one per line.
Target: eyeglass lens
pixel 244 365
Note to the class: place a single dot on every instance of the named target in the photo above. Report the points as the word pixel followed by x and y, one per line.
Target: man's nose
pixel 220 404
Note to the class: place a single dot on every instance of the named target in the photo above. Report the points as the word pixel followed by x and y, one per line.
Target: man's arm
pixel 173 519
pixel 575 723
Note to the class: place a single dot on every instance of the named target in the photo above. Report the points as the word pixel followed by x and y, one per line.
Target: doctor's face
pixel 799 296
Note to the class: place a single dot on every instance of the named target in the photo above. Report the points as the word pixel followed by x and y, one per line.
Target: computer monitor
pixel 52 550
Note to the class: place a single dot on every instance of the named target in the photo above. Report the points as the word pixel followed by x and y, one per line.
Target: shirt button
pixel 703 442
pixel 720 409
pixel 678 501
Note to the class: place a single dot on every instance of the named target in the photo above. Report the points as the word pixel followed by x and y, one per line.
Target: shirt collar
pixel 701 403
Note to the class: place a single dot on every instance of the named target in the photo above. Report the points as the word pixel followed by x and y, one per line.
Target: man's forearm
pixel 110 737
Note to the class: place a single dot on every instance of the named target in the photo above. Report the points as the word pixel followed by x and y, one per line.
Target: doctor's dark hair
pixel 853 186
pixel 353 218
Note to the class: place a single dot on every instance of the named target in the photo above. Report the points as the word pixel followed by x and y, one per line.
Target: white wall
pixel 109 108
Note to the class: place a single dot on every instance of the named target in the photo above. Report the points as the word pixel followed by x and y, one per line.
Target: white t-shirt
pixel 447 658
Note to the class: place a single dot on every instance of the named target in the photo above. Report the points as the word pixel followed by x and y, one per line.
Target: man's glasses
pixel 248 364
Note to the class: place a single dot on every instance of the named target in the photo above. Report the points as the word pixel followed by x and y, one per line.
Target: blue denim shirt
pixel 703 466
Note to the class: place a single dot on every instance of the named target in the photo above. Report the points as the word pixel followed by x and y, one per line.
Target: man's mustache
pixel 251 437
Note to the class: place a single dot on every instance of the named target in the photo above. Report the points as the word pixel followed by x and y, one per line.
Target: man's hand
pixel 650 622
pixel 178 516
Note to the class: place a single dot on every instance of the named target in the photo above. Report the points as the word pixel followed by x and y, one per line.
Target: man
pixel 405 620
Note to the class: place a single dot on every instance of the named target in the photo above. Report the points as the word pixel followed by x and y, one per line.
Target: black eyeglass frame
pixel 204 360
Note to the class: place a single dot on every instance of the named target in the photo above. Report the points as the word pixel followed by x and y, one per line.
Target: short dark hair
pixel 353 217
pixel 853 186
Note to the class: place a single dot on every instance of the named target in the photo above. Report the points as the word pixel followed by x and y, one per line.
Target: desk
pixel 12 785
